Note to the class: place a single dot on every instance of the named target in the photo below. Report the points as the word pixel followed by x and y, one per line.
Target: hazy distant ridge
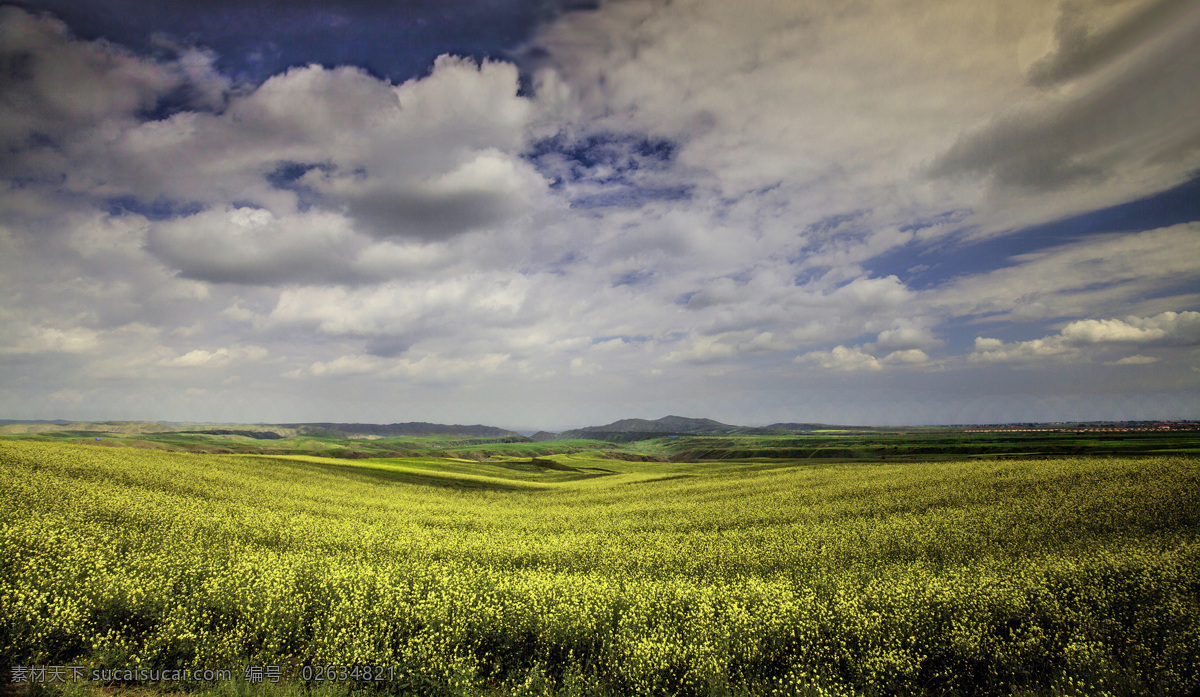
pixel 31 426
pixel 622 430
pixel 26 422
pixel 341 430
pixel 411 428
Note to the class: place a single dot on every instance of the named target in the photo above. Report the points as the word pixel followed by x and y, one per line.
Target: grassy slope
pixel 917 445
pixel 1058 576
pixel 301 444
pixel 880 444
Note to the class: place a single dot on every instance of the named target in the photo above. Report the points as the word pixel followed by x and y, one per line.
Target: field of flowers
pixel 1071 576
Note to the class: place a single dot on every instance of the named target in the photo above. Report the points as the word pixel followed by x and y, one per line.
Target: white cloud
pixel 1177 327
pixel 198 357
pixel 1136 359
pixel 703 350
pixel 996 351
pixel 766 342
pixel 907 356
pixel 396 307
pixel 426 369
pixel 854 358
pixel 1166 329
pixel 42 339
pixel 218 358
pixel 1094 331
pixel 905 335
pixel 430 156
pixel 347 365
pixel 886 293
pixel 842 358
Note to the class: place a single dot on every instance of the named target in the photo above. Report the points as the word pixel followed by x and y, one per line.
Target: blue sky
pixel 253 41
pixel 554 214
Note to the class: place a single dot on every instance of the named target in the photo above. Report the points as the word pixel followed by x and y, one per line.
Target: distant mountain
pixel 9 422
pixel 642 429
pixel 270 431
pixel 412 428
pixel 680 424
pixel 797 427
pixel 130 427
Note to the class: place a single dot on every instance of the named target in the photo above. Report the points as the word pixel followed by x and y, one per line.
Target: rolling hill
pixel 641 429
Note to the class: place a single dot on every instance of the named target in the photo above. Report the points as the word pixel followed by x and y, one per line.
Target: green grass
pixel 1069 575
pixel 293 444
pixel 916 444
pixel 920 445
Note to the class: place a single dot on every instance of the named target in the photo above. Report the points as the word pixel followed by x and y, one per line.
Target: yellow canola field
pixel 1065 576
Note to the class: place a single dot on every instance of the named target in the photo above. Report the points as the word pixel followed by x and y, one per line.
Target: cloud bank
pixel 647 207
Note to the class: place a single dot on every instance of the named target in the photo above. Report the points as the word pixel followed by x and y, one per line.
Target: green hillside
pixel 696 439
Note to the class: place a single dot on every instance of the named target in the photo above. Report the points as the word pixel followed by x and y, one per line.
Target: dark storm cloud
pixel 1081 51
pixel 249 246
pixel 1137 108
pixel 431 216
pixel 51 86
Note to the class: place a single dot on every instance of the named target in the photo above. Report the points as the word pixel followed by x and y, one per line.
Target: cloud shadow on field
pixel 432 478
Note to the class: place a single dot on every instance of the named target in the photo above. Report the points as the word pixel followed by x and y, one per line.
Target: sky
pixel 552 214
